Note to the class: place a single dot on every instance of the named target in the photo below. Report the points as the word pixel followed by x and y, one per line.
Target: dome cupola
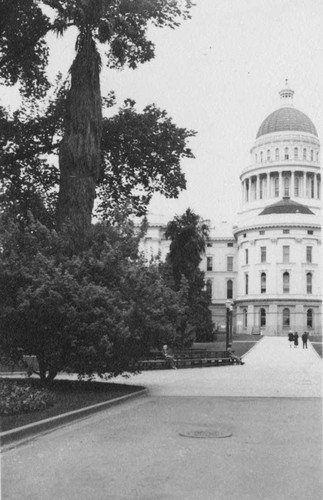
pixel 286 118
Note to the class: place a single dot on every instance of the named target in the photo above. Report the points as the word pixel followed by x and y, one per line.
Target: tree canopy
pixel 121 28
pixel 96 312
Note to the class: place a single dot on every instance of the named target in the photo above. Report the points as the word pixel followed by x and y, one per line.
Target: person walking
pixel 290 338
pixel 295 339
pixel 304 339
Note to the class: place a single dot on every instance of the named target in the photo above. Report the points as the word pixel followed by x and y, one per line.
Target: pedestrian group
pixel 293 339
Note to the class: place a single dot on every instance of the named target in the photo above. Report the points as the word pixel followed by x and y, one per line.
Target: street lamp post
pixel 229 307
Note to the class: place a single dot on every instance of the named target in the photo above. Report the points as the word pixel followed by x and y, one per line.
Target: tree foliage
pixel 121 28
pixel 95 312
pixel 188 234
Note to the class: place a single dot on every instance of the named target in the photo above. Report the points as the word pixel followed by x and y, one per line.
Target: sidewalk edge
pixel 13 435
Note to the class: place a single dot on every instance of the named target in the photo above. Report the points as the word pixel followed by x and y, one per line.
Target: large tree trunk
pixel 80 155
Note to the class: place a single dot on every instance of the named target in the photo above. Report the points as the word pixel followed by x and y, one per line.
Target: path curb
pixel 19 433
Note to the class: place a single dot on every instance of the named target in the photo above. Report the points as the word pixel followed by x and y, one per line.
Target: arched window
pixel 309 318
pixel 317 156
pixel 256 158
pixel 286 154
pixel 308 282
pixel 209 288
pixel 263 279
pixel 312 186
pixel 245 318
pixel 229 289
pixel 304 154
pixel 296 186
pixel 268 154
pixel 261 156
pixel 247 284
pixel 276 154
pixel 276 186
pixel 286 186
pixel 312 155
pixel 286 318
pixel 286 282
pixel 295 153
pixel 262 317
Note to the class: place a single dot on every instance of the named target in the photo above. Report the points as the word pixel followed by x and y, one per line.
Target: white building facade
pixel 267 268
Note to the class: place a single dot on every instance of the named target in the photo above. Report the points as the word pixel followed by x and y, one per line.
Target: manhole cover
pixel 206 434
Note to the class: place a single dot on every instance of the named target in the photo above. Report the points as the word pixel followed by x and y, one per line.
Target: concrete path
pixel 272 369
pixel 262 438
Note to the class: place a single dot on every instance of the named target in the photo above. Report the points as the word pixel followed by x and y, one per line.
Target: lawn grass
pixel 70 395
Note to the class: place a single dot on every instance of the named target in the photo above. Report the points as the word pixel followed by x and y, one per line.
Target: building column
pixel 316 191
pixel 268 186
pixel 281 187
pixel 257 187
pixel 292 185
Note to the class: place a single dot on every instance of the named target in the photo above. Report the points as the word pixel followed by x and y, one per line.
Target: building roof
pixel 286 206
pixel 287 119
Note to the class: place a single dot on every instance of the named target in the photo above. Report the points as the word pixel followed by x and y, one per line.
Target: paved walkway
pixel 272 369
pixel 270 413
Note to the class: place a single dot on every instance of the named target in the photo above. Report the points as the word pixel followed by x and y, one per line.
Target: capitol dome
pixel 287 118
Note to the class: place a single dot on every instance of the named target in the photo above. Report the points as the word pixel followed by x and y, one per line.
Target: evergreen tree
pixel 188 235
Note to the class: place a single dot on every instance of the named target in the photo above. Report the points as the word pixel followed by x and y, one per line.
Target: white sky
pixel 219 74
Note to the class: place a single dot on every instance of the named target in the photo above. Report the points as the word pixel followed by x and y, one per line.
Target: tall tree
pixel 121 27
pixel 188 234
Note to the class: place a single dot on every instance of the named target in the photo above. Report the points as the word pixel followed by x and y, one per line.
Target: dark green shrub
pixel 20 398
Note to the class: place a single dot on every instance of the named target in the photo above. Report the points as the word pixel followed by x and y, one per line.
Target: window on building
pixel 263 280
pixel 263 254
pixel 276 186
pixel 276 154
pixel 209 263
pixel 229 263
pixel 229 289
pixel 256 158
pixel 286 318
pixel 309 318
pixel 312 187
pixel 312 155
pixel 244 235
pixel 209 245
pixel 309 282
pixel 262 232
pixel 317 156
pixel 309 231
pixel 296 186
pixel 304 154
pixel 285 254
pixel 286 186
pixel 209 288
pixel 247 256
pixel 247 284
pixel 261 157
pixel 286 282
pixel 286 154
pixel 245 318
pixel 230 245
pixel 309 254
pixel 262 317
pixel 296 153
pixel 285 231
pixel 319 187
pixel 268 154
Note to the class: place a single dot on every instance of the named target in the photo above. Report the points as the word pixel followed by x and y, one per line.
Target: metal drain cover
pixel 206 433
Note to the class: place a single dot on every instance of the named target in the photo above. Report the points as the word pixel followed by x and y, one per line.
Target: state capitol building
pixel 267 268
